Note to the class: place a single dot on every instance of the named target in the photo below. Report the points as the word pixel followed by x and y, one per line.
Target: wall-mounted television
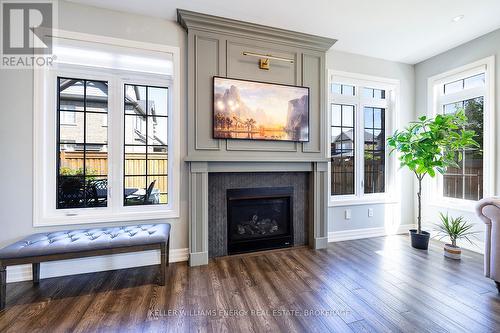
pixel 252 110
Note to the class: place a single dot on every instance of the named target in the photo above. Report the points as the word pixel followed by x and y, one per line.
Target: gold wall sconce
pixel 265 59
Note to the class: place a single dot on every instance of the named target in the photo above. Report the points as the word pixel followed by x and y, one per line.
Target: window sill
pixel 99 217
pixel 359 202
pixel 467 206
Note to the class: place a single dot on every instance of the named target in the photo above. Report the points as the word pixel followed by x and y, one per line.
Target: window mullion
pixel 116 134
pixel 461 96
pixel 339 99
pixel 360 150
pixel 84 141
pixel 463 174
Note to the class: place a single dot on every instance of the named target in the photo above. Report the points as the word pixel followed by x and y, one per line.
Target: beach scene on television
pixel 260 111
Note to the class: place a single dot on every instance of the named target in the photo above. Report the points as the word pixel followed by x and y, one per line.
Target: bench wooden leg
pixel 3 286
pixel 168 251
pixel 163 263
pixel 36 273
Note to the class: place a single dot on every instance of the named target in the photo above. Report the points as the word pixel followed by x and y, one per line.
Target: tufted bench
pixel 70 244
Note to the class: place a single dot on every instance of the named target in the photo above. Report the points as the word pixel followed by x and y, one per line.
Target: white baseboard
pixel 94 264
pixel 338 236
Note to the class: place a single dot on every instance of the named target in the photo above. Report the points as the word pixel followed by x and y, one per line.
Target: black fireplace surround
pixel 259 219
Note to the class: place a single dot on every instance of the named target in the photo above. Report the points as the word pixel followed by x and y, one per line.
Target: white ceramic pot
pixel 452 252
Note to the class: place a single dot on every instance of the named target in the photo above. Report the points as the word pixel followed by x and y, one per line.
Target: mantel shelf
pixel 252 160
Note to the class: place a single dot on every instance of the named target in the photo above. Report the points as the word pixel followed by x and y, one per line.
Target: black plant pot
pixel 419 241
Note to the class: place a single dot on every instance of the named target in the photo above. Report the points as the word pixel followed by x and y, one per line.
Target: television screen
pixel 260 111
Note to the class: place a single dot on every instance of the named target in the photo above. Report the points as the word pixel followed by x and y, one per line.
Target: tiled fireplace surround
pixel 209 182
pixel 219 183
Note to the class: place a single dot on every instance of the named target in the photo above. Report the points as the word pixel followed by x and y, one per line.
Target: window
pixel 343 89
pixel 374 148
pixel 463 84
pixel 342 165
pixel 359 121
pixel 466 180
pixel 466 89
pixel 82 168
pixel 146 145
pixel 82 149
pixel 106 132
pixel 374 93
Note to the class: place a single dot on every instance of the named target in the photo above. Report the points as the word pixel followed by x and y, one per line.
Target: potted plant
pixel 454 228
pixel 428 146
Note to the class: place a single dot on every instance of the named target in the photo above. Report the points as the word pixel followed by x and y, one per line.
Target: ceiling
pixel 407 31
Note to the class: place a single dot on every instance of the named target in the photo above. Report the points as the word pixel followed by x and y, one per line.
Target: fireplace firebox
pixel 259 219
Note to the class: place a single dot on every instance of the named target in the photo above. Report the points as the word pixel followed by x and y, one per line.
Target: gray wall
pixel 482 47
pixel 383 213
pixel 16 116
pixel 464 54
pixel 16 119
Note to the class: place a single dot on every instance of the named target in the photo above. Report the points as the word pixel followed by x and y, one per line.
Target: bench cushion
pixel 86 239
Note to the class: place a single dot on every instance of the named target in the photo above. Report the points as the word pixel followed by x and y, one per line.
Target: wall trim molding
pixel 198 258
pixel 214 167
pixel 339 236
pixel 216 24
pixel 94 264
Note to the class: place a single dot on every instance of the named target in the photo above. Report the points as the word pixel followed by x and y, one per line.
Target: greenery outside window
pixel 469 88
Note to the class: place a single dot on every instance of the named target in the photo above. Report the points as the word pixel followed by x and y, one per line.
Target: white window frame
pixel 391 106
pixel 45 122
pixel 436 100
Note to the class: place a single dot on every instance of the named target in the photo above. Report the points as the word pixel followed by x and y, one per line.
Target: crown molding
pixel 198 21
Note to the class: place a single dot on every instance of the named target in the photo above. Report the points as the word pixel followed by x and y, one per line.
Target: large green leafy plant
pixel 431 145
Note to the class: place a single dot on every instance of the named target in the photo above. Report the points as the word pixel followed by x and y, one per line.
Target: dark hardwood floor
pixel 371 285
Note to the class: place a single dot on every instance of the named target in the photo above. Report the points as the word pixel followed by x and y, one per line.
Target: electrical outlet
pixel 370 212
pixel 347 214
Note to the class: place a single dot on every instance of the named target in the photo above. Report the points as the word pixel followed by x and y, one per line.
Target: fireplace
pixel 259 219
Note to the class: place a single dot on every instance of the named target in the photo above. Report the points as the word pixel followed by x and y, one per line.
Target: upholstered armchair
pixel 488 209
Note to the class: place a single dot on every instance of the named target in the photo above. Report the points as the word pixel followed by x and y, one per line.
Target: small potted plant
pixel 454 228
pixel 427 147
